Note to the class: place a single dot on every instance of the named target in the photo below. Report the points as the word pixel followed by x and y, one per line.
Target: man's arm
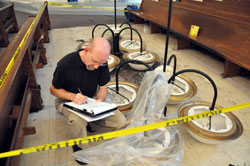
pixel 77 98
pixel 102 93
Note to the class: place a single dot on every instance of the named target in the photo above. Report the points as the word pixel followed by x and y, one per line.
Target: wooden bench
pixel 223 30
pixel 20 92
pixel 8 23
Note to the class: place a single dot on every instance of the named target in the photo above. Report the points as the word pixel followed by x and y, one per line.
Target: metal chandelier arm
pixel 175 62
pixel 121 65
pixel 131 33
pixel 201 73
pixel 93 30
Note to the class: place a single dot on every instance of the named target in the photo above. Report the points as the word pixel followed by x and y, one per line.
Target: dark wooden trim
pixel 8 23
pixel 183 43
pixel 18 136
pixel 29 130
pixel 231 69
pixel 155 28
pixel 15 112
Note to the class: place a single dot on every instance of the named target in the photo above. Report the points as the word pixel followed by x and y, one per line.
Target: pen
pixel 80 92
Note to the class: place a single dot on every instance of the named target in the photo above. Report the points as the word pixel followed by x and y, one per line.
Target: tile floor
pixel 50 126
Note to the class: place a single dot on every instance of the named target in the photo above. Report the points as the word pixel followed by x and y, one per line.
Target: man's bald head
pixel 99 48
pixel 96 53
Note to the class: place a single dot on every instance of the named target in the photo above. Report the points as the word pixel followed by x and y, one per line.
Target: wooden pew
pixel 224 32
pixel 8 23
pixel 224 7
pixel 234 3
pixel 20 92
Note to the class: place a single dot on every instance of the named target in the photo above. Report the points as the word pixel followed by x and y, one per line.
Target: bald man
pixel 87 70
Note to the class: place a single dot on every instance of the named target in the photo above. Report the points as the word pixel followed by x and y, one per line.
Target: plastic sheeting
pixel 162 146
pixel 33 6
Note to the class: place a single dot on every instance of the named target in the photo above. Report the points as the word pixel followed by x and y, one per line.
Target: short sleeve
pixel 104 76
pixel 58 78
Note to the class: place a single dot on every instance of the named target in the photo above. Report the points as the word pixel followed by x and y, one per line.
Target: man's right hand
pixel 80 99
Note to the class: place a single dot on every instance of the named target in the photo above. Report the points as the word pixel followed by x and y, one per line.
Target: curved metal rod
pixel 205 75
pixel 105 31
pixel 175 61
pixel 113 36
pixel 211 81
pixel 136 32
pixel 112 32
pixel 174 71
pixel 129 61
pixel 131 31
pixel 93 30
pixel 168 32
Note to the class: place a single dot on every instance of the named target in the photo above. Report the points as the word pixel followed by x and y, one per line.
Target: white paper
pixel 93 107
pixel 91 119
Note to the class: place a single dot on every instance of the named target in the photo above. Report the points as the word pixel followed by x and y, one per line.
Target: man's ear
pixel 86 49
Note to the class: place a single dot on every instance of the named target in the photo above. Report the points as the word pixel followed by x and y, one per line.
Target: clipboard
pixel 91 107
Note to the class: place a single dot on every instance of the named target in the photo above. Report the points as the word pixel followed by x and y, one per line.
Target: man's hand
pixel 77 98
pixel 101 93
pixel 98 100
pixel 80 99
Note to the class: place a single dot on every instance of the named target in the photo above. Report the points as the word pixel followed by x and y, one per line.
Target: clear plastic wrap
pixel 162 146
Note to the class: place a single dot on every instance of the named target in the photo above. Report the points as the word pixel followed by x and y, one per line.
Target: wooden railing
pixel 20 92
pixel 8 23
pixel 224 27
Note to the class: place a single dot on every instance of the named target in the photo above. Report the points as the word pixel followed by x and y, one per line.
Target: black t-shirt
pixel 71 73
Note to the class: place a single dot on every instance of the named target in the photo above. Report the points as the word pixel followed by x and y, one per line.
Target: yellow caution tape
pixel 120 133
pixel 11 63
pixel 88 7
